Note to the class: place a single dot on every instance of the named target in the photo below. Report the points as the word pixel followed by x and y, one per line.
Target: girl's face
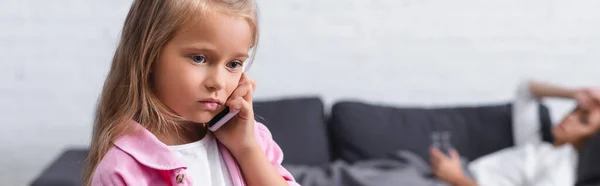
pixel 201 66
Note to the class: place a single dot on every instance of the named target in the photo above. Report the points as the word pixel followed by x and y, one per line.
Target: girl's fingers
pixel 241 98
pixel 245 89
pixel 238 103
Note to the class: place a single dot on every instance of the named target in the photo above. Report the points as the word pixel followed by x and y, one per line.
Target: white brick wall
pixel 54 55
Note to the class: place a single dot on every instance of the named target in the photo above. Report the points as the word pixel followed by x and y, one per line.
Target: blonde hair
pixel 127 93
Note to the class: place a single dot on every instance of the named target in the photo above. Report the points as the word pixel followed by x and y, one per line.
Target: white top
pixel 531 162
pixel 204 162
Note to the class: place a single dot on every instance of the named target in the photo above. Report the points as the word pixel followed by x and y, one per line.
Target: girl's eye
pixel 199 59
pixel 234 64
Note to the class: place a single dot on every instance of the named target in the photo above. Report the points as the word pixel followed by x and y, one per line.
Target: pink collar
pixel 147 149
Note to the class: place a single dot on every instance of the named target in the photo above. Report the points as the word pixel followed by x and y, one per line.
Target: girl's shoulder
pixel 272 151
pixel 262 129
pixel 114 160
pixel 136 158
pixel 116 168
pixel 268 144
pixel 263 134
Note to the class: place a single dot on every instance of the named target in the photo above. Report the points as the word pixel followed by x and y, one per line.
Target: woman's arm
pixel 448 168
pixel 541 90
pixel 586 97
pixel 465 181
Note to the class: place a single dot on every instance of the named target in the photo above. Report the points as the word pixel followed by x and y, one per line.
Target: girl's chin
pixel 201 117
pixel 200 120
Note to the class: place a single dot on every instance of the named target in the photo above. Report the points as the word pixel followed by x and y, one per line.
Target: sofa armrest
pixel 64 171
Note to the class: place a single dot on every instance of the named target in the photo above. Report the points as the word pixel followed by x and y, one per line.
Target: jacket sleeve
pixel 274 153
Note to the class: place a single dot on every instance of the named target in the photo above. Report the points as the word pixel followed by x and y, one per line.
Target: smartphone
pixel 224 116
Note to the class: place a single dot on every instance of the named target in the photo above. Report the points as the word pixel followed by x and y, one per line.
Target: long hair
pixel 127 92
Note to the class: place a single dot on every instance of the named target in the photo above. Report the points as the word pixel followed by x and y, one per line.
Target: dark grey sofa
pixel 355 131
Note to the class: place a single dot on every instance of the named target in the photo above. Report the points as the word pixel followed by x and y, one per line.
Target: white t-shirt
pixel 204 162
pixel 531 162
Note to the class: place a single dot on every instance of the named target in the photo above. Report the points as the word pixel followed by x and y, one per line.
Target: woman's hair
pixel 127 93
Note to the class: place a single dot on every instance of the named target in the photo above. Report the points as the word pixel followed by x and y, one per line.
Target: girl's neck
pixel 190 132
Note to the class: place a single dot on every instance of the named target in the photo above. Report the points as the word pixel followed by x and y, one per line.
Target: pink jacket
pixel 142 159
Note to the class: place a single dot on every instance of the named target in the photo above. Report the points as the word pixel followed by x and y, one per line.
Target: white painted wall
pixel 54 55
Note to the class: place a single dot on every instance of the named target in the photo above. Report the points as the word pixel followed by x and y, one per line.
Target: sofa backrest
pixel 364 131
pixel 298 126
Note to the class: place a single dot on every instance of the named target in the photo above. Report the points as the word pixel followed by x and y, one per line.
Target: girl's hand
pixel 238 133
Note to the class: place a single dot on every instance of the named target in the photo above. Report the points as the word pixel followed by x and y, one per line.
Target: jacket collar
pixel 143 146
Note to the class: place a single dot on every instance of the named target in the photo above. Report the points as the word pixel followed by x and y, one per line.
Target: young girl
pixel 178 64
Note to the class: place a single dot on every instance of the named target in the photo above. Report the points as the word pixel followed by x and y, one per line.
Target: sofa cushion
pixel 363 131
pixel 588 169
pixel 299 128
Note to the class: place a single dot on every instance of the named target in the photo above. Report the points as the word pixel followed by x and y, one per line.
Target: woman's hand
pixel 238 133
pixel 587 98
pixel 446 168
